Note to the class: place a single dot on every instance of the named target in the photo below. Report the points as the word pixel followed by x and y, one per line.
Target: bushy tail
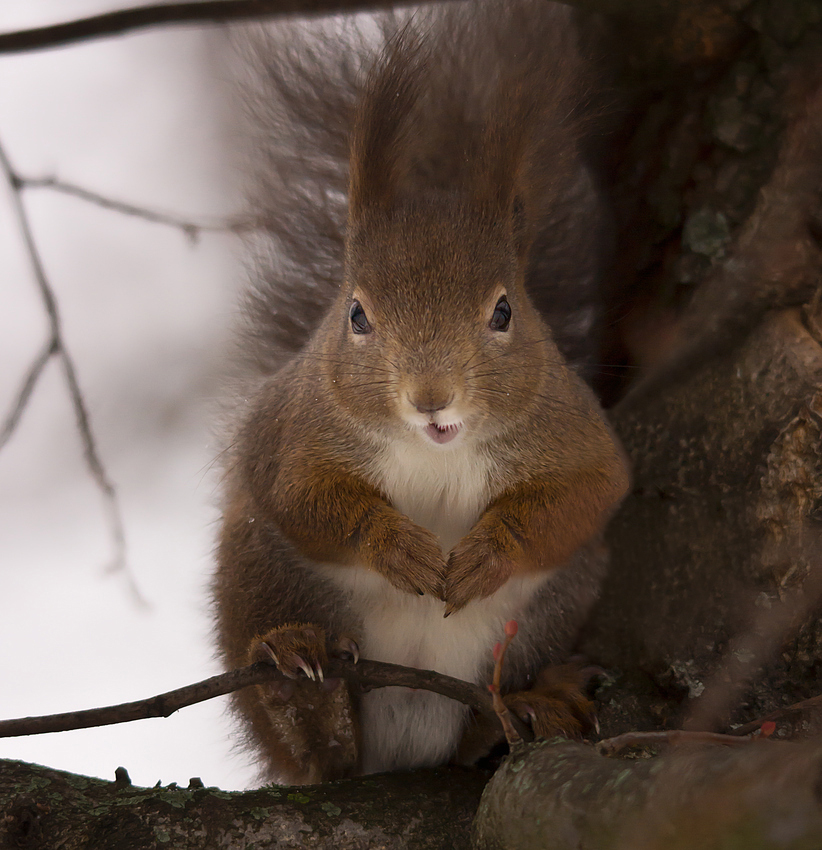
pixel 500 94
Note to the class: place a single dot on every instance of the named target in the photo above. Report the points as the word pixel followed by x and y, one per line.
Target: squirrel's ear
pixel 380 144
pixel 520 228
pixel 501 178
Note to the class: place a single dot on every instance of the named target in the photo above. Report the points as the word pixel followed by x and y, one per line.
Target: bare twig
pixel 364 676
pixel 55 346
pixel 26 389
pixel 612 746
pixel 714 25
pixel 506 718
pixel 778 714
pixel 190 229
pixel 200 12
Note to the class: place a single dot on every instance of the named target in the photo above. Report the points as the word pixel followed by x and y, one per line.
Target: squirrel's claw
pixel 270 653
pixel 295 650
pixel 305 667
pixel 347 647
pixel 476 568
pixel 406 554
pixel 557 703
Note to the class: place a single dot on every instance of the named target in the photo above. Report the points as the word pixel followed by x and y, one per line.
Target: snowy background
pixel 140 118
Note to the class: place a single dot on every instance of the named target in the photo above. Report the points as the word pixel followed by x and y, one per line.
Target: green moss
pixel 259 813
pixel 331 809
pixel 223 795
pixel 706 232
pixel 37 783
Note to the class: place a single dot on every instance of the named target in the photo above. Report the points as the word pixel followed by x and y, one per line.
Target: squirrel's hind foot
pixel 558 703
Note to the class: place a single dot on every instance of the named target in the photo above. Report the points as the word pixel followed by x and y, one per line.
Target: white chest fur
pixel 444 491
pixel 442 488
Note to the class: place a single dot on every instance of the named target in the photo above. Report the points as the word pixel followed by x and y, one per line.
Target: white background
pixel 140 118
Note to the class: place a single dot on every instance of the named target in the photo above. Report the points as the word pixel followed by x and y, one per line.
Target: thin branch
pixel 202 12
pixel 26 389
pixel 779 714
pixel 718 19
pixel 363 676
pixel 56 347
pixel 190 229
pixel 506 717
pixel 619 743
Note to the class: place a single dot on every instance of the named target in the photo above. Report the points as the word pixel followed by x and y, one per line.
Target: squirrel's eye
pixel 359 321
pixel 502 315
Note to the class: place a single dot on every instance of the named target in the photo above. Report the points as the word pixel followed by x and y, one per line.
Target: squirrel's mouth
pixel 442 433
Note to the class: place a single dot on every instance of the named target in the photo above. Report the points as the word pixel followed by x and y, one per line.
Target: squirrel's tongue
pixel 442 433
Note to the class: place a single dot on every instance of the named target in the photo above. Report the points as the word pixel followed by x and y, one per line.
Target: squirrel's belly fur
pixel 444 490
pixel 408 728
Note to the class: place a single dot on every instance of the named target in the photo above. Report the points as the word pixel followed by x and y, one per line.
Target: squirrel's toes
pixel 296 650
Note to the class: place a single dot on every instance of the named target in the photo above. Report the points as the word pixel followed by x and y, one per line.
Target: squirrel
pixel 416 459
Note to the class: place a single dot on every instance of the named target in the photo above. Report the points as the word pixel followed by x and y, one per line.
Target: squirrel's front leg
pixel 339 518
pixel 533 527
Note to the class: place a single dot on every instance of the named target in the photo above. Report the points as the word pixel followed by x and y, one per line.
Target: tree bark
pixel 714 556
pixel 565 796
pixel 719 534
pixel 44 808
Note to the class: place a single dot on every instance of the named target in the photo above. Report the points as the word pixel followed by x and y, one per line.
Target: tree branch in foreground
pixel 363 676
pixel 813 703
pixel 619 743
pixel 202 12
pixel 697 30
pixel 429 809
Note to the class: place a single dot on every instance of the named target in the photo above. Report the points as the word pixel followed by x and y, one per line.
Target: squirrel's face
pixel 435 334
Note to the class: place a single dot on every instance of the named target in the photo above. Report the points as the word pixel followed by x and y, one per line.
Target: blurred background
pixel 139 118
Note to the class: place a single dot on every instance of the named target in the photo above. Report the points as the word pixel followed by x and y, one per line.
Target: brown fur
pixel 457 182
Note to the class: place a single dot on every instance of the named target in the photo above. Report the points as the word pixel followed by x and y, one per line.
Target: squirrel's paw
pixel 557 704
pixel 477 566
pixel 296 650
pixel 409 556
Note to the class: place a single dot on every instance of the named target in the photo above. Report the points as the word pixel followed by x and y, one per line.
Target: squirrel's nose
pixel 423 409
pixel 431 405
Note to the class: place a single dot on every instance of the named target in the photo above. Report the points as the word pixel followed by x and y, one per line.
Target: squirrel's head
pixel 433 329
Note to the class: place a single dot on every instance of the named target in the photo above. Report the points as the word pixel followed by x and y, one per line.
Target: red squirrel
pixel 414 461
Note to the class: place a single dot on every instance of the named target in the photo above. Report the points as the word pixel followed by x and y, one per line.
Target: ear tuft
pixel 381 142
